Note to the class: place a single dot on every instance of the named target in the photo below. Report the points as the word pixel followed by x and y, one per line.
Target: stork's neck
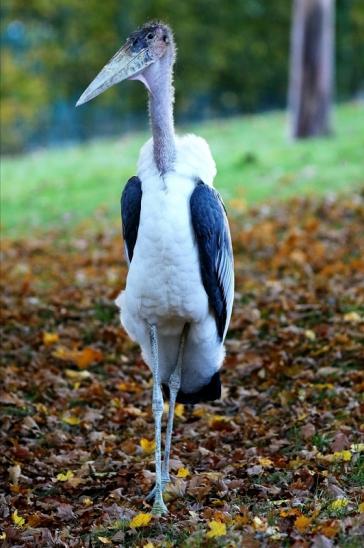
pixel 161 118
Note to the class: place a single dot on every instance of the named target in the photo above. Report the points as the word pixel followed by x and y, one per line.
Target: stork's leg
pixel 157 405
pixel 174 385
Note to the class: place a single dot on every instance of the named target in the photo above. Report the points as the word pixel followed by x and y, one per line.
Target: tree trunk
pixel 311 70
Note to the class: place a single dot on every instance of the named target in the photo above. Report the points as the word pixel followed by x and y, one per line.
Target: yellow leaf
pixel 140 520
pixel 183 473
pixel 104 540
pixel 50 338
pixel 361 507
pixel 179 410
pixel 339 504
pixel 357 447
pixel 310 335
pixel 342 455
pixel 352 317
pixel 17 520
pixel 217 421
pixel 131 387
pixel 41 408
pixel 199 412
pixel 323 386
pixel 65 477
pixel 77 375
pixel 149 545
pixel 147 446
pixel 302 523
pixel 217 529
pixel 259 524
pixel 71 420
pixel 87 501
pixel 265 462
pixel 63 353
pixel 82 358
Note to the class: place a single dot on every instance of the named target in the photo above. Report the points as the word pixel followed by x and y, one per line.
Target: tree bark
pixel 311 68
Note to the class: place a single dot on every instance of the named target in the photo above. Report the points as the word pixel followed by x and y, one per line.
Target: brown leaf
pixel 340 442
pixel 65 512
pixel 320 541
pixel 307 431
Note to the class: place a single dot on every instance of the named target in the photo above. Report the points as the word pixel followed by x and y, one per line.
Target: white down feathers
pixel 164 285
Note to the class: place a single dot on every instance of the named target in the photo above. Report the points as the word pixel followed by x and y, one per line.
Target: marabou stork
pixel 180 285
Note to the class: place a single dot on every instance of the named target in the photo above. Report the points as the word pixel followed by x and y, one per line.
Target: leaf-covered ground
pixel 279 461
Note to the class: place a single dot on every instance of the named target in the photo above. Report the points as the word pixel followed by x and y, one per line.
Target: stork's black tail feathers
pixel 209 392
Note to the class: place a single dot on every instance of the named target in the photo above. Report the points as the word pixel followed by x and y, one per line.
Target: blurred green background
pixel 232 62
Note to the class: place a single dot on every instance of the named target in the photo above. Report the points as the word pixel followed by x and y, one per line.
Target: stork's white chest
pixel 164 282
pixel 164 277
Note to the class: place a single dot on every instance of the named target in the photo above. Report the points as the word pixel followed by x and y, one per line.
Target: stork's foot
pixel 152 493
pixel 159 508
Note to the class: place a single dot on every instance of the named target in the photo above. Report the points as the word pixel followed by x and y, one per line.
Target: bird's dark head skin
pixel 145 53
pixel 156 37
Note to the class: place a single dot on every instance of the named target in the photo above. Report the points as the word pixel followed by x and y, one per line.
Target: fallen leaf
pixel 148 446
pixel 82 358
pixel 65 511
pixel 140 520
pixel 255 470
pixel 302 523
pixel 18 520
pixel 87 501
pixel 320 541
pixel 183 473
pixel 339 504
pixel 71 420
pixel 14 473
pixel 217 529
pixel 265 462
pixel 240 520
pixel 307 431
pixel 259 524
pixel 357 447
pixel 352 317
pixel 179 410
pixel 340 442
pixel 310 335
pixel 65 477
pixel 77 375
pixel 342 455
pixel 86 357
pixel 50 338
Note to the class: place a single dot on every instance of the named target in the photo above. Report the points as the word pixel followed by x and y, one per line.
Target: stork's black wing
pixel 213 238
pixel 131 200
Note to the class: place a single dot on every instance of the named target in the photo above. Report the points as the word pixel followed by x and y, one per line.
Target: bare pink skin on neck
pixel 157 78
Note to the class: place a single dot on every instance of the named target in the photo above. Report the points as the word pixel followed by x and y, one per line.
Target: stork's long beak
pixel 126 64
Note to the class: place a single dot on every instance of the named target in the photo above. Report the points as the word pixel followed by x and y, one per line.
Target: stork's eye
pixel 165 38
pixel 149 35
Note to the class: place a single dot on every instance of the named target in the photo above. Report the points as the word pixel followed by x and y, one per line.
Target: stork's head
pixel 146 55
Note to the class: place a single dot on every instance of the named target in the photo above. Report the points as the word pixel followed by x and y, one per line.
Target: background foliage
pixel 233 57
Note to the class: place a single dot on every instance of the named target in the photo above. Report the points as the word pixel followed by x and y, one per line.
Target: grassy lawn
pixel 255 161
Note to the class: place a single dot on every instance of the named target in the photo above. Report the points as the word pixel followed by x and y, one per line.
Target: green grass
pixel 255 159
